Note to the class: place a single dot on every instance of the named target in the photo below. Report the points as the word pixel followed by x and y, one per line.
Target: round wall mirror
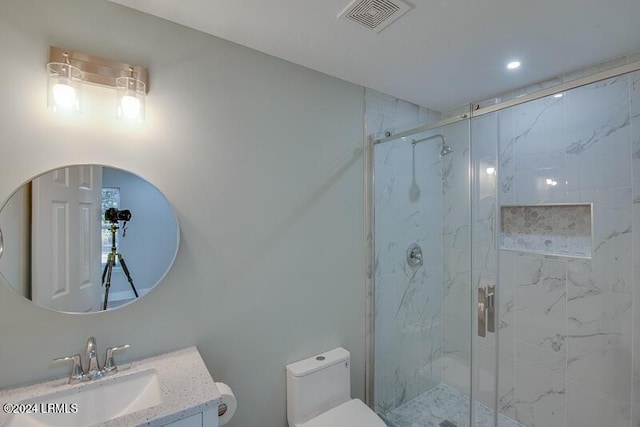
pixel 86 238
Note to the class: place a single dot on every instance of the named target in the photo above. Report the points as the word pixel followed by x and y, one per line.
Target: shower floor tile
pixel 439 404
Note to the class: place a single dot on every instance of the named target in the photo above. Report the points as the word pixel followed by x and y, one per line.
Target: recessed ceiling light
pixel 513 65
pixel 558 95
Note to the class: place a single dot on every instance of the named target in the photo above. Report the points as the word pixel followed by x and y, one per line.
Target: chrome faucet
pixel 93 371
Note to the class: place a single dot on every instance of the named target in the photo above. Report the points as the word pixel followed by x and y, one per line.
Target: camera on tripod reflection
pixel 114 215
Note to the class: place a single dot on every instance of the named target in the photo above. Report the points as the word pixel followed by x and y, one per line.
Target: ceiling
pixel 441 54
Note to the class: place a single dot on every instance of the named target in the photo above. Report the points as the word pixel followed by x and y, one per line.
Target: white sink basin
pixel 93 402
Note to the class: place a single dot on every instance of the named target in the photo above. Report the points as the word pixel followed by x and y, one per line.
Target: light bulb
pixel 64 95
pixel 130 99
pixel 491 171
pixel 513 65
pixel 130 107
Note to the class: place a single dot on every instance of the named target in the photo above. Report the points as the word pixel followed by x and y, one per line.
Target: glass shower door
pixel 485 286
pixel 422 275
pixel 524 310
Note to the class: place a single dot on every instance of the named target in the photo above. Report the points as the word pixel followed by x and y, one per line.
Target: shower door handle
pixel 486 310
pixel 491 308
pixel 482 319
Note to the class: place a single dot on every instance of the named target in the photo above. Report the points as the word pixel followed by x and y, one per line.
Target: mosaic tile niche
pixel 561 230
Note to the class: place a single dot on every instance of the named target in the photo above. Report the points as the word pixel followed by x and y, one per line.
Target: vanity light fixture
pixel 69 70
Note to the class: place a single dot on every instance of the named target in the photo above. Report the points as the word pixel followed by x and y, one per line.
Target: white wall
pixel 262 162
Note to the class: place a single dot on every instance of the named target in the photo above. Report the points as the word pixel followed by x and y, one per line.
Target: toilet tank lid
pixel 317 362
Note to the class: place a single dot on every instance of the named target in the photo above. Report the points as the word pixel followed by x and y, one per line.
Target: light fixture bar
pixel 97 70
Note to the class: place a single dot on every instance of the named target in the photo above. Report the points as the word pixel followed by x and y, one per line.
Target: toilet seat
pixel 351 413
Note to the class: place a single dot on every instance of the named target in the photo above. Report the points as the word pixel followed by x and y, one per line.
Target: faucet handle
pixel 77 374
pixel 109 365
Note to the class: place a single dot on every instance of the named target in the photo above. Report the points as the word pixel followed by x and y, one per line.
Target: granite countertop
pixel 186 385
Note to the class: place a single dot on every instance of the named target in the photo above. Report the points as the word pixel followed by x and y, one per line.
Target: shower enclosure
pixel 504 262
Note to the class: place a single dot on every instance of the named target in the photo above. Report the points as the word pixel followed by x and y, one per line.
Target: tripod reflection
pixel 113 215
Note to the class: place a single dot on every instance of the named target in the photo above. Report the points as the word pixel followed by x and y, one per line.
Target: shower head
pixel 446 149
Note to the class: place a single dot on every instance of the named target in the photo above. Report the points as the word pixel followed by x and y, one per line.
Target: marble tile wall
pixel 567 324
pixel 386 113
pixel 408 203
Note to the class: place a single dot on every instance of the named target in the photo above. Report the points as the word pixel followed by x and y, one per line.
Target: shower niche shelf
pixel 548 229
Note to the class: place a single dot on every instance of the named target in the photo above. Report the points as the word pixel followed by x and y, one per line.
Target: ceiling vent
pixel 375 15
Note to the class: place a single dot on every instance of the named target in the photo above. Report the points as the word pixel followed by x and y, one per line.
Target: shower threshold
pixel 443 404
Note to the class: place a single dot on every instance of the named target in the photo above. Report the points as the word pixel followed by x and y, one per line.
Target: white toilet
pixel 319 393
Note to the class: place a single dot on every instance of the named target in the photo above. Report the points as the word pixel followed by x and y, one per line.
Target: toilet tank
pixel 317 384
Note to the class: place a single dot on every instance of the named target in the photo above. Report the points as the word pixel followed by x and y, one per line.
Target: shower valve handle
pixel 414 255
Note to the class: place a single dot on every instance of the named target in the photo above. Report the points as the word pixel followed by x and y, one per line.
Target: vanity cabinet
pixel 203 419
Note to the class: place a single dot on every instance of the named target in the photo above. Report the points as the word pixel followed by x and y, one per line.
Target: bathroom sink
pixel 92 402
pixel 150 392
